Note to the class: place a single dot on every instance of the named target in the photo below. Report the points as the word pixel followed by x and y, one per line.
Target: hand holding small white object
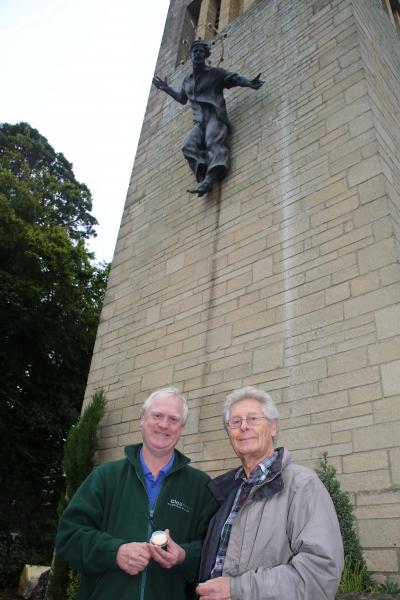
pixel 165 551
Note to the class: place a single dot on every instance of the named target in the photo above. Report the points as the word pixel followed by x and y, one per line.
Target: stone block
pixel 347 114
pixel 334 452
pixel 347 361
pixel 268 358
pixel 390 274
pixel 365 461
pixel 365 481
pixel 239 282
pixel 253 322
pixel 308 372
pixel 388 321
pixel 340 208
pixel 394 458
pixel 365 283
pixel 377 255
pixel 221 448
pixel 381 560
pixel 361 124
pixel 349 380
pixel 391 378
pixel 373 437
pixel 173 350
pixel 388 511
pixel 352 423
pixel 132 413
pixel 218 338
pixel 337 293
pixel 378 499
pixel 372 301
pixel 306 437
pixel 175 263
pixel 243 312
pixel 149 358
pixel 379 533
pixel 262 268
pixel 364 171
pixel 114 430
pixel 246 252
pixel 365 393
pixel 385 351
pixel 341 437
pixel 157 378
pixel 153 314
pixel 192 423
pixel 194 343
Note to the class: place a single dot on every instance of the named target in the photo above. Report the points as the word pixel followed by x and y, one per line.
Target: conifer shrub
pixel 79 453
pixel 355 573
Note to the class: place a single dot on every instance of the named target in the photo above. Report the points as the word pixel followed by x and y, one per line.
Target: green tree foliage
pixel 355 566
pixel 50 302
pixel 81 444
pixel 78 462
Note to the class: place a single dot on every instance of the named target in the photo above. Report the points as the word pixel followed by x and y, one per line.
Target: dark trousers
pixel 206 148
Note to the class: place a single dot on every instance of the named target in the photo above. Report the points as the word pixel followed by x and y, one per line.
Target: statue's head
pixel 199 51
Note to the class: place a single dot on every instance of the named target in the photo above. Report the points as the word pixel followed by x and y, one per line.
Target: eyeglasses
pixel 251 420
pixel 158 417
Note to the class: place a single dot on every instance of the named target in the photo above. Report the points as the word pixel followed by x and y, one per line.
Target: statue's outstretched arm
pixel 238 80
pixel 161 84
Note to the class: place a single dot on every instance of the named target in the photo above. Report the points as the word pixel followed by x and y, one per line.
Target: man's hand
pixel 256 82
pixel 161 84
pixel 133 558
pixel 172 556
pixel 215 589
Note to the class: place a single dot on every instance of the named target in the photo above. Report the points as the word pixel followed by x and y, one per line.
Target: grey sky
pixel 80 72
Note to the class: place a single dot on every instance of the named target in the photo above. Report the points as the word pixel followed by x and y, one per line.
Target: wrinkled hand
pixel 173 555
pixel 160 84
pixel 133 558
pixel 256 82
pixel 215 589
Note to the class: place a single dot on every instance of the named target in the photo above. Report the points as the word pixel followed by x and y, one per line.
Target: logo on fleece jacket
pixel 173 503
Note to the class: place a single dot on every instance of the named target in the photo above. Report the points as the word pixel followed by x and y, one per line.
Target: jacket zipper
pixel 150 527
pixel 143 574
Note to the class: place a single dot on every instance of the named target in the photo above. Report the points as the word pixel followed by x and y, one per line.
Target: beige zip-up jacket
pixel 285 543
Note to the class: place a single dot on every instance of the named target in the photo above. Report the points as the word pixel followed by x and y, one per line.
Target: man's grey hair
pixel 169 392
pixel 267 404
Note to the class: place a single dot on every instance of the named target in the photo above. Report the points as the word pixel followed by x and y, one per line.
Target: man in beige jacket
pixel 276 535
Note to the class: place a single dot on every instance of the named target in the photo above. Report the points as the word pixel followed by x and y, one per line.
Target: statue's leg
pixel 193 149
pixel 217 144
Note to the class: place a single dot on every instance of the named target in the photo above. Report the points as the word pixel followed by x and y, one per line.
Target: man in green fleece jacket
pixel 105 530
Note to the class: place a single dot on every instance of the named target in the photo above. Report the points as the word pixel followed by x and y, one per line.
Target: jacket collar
pixel 223 485
pixel 132 453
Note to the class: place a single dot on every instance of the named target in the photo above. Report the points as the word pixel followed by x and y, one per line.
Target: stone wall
pixel 287 277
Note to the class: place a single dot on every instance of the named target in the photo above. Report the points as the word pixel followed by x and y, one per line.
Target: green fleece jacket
pixel 111 508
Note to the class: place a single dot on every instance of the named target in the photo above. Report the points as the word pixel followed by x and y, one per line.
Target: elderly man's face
pixel 161 424
pixel 251 442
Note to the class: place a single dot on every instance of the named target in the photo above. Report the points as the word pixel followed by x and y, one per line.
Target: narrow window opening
pixel 217 14
pixel 392 7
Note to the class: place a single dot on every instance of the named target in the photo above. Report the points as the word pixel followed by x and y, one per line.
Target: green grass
pixel 390 588
pixel 353 578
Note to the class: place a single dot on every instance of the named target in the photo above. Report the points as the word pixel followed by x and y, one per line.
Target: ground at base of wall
pixel 363 596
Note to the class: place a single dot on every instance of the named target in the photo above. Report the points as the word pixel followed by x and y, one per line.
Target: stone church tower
pixel 287 275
